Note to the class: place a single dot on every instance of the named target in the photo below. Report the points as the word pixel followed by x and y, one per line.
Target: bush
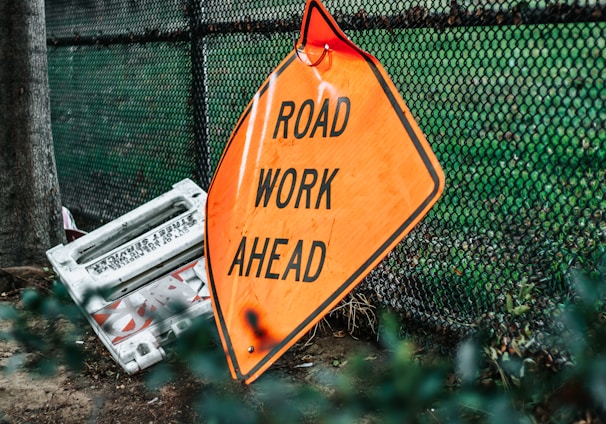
pixel 487 380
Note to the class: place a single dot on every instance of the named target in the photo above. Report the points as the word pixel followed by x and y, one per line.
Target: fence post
pixel 198 92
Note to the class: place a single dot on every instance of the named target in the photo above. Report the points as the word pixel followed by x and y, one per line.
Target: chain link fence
pixel 120 81
pixel 511 97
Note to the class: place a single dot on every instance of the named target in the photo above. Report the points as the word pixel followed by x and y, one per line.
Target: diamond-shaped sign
pixel 325 172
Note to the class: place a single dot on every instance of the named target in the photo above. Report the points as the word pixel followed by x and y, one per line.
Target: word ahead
pixel 289 181
pixel 259 256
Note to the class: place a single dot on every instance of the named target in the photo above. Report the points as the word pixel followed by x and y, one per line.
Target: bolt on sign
pixel 324 173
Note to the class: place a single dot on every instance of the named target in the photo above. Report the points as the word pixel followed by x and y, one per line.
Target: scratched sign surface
pixel 324 173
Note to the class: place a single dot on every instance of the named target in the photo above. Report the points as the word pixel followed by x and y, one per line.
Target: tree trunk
pixel 30 206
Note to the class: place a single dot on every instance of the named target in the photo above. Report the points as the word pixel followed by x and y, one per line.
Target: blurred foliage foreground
pixel 487 380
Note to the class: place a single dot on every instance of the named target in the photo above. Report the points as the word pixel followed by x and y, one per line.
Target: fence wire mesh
pixel 120 80
pixel 511 96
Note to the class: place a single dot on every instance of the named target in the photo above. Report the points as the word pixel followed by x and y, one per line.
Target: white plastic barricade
pixel 141 279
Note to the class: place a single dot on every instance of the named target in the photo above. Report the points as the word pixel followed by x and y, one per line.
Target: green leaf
pixel 521 310
pixel 509 302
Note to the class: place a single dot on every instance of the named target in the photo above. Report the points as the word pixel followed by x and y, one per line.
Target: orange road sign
pixel 324 173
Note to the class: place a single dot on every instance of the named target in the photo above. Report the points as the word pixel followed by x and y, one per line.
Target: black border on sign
pixel 383 248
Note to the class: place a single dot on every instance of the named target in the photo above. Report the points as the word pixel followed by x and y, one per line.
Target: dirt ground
pixel 102 393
